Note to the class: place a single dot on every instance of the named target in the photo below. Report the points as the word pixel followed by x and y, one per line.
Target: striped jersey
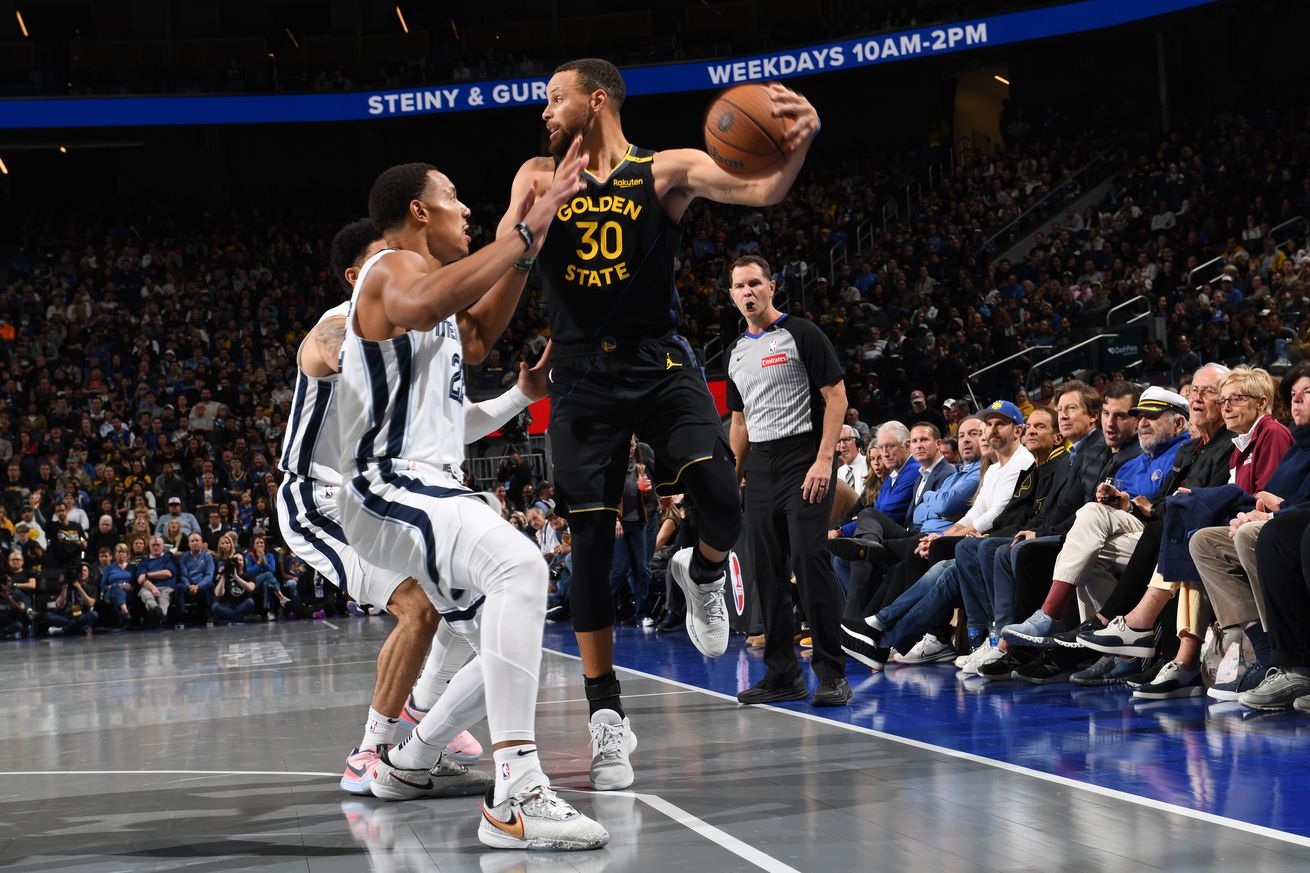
pixel 774 378
pixel 311 447
pixel 401 399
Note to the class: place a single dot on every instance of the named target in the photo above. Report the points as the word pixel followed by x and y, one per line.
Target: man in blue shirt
pixel 893 443
pixel 157 578
pixel 197 567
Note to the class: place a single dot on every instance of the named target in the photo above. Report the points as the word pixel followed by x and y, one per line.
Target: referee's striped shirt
pixel 774 378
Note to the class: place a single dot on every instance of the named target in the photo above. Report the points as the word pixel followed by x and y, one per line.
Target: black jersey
pixel 608 262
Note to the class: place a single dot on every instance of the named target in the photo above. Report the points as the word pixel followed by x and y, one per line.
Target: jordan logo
pixel 669 363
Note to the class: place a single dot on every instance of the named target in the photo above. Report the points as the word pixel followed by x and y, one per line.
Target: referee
pixel 788 402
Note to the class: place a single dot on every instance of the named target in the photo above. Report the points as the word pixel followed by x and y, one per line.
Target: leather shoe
pixel 832 692
pixel 770 691
pixel 856 548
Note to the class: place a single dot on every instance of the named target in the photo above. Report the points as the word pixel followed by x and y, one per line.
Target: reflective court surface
pixel 216 750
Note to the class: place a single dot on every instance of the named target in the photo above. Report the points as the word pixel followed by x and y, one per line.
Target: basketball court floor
pixel 220 750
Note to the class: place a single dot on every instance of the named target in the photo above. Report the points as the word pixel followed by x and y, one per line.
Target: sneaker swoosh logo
pixel 513 827
pixel 357 771
pixel 402 781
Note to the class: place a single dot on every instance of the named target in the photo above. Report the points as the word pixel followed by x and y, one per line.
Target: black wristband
pixel 526 233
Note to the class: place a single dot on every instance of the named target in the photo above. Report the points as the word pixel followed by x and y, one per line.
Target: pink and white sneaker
pixel 464 749
pixel 361 768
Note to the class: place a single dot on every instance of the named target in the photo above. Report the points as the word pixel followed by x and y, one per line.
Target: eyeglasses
pixel 1209 392
pixel 891 448
pixel 845 439
pixel 1236 398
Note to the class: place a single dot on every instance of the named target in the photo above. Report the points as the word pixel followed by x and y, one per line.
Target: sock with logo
pixel 378 730
pixel 603 693
pixel 511 763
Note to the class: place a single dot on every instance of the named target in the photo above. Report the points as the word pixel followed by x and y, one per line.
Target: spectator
pixel 74 608
pixel 187 520
pixel 853 467
pixel 157 581
pixel 197 572
pixel 116 583
pixel 235 597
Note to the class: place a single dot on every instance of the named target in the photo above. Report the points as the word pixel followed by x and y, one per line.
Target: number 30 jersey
pixel 607 263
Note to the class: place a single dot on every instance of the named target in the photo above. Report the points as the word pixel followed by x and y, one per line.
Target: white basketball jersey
pixel 311 447
pixel 401 399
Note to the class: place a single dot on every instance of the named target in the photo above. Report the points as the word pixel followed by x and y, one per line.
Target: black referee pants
pixel 785 535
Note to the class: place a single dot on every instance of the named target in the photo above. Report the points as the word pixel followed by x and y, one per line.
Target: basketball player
pixel 307 509
pixel 402 429
pixel 619 366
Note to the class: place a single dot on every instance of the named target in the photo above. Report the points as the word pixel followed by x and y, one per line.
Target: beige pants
pixel 1096 551
pixel 165 598
pixel 1227 566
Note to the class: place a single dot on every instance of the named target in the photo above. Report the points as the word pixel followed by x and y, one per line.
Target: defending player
pixel 404 508
pixel 308 513
pixel 620 367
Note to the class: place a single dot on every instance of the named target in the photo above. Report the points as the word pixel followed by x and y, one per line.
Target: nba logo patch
pixel 504 771
pixel 738 586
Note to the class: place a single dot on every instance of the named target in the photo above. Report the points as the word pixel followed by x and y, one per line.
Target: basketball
pixel 741 133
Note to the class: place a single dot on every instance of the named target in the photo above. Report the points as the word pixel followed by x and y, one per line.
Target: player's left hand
pixel 805 118
pixel 817 480
pixel 532 381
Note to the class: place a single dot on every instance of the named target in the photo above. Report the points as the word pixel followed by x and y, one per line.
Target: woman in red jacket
pixel 1262 440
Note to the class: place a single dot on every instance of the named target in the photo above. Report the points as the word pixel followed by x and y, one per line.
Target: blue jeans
pixel 224 611
pixel 921 608
pixel 267 588
pixel 632 558
pixel 85 620
pixel 974 560
pixel 1003 587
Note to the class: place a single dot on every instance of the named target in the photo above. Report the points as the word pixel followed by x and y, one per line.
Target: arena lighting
pixel 401 16
pixel 63 150
pixel 295 42
pixel 1002 80
pixel 22 25
pixel 4 170
pixel 454 28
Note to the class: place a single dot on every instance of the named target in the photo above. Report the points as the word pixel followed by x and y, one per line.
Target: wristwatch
pixel 526 233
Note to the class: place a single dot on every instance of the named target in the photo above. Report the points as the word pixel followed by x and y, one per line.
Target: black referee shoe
pixel 832 692
pixel 769 690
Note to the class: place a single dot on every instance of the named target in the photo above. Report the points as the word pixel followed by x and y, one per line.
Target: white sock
pixel 378 730
pixel 872 621
pixel 450 651
pixel 511 763
pixel 416 753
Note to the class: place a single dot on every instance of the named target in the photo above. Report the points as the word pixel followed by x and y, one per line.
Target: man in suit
pixel 853 467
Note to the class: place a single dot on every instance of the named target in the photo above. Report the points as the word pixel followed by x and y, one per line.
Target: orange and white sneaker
pixel 464 748
pixel 361 770
pixel 534 817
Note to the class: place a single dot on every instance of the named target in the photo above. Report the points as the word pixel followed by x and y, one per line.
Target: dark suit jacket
pixel 1058 513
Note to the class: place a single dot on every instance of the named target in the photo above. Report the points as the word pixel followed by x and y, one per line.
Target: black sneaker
pixel 861 642
pixel 1004 667
pixel 1069 639
pixel 673 621
pixel 856 548
pixel 1054 665
pixel 770 690
pixel 558 613
pixel 858 629
pixel 832 692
